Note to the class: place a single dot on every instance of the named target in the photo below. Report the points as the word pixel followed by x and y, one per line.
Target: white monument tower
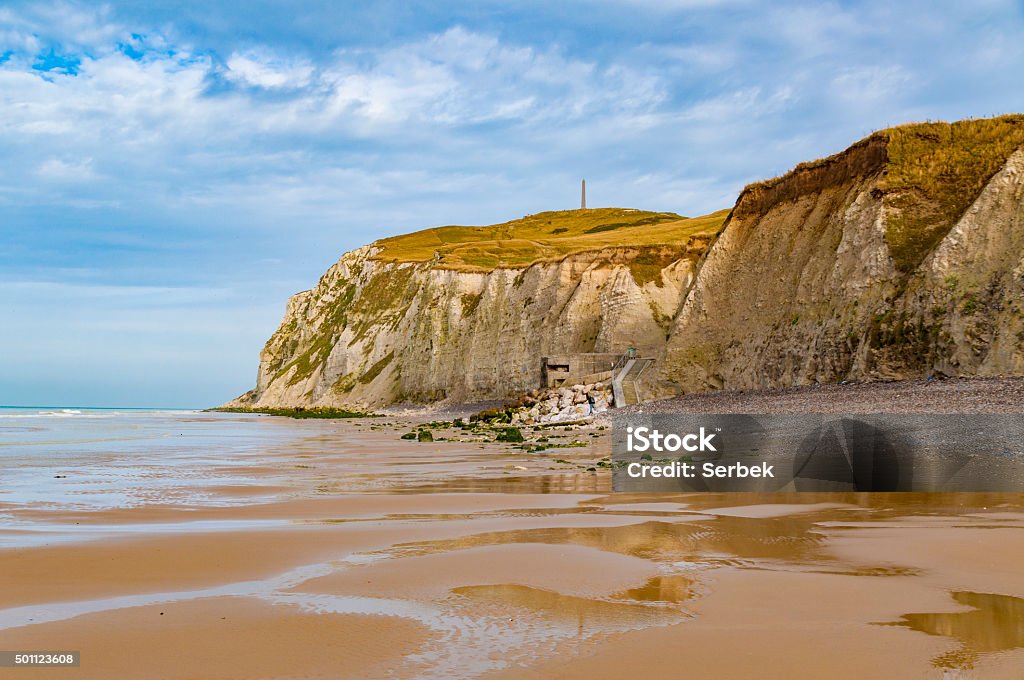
pixel 583 196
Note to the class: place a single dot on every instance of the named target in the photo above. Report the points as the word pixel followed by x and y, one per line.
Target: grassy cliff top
pixel 935 171
pixel 930 174
pixel 545 236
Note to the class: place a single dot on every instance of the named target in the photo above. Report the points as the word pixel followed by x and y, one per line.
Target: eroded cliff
pixel 465 313
pixel 901 257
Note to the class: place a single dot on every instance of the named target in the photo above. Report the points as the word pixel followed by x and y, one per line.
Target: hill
pixel 543 237
pixel 901 257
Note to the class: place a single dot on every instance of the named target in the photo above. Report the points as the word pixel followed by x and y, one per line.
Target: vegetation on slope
pixel 934 173
pixel 300 412
pixel 544 237
pixel 930 174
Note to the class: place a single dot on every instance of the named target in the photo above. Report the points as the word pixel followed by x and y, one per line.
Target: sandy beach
pixel 336 549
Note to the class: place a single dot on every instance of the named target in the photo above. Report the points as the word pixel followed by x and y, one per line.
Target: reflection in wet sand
pixel 585 615
pixel 471 545
pixel 800 539
pixel 448 516
pixel 994 624
pixel 696 539
pixel 673 589
pixel 586 482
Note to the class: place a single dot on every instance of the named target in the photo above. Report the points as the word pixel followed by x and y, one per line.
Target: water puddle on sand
pixel 476 628
pixel 869 571
pixel 583 616
pixel 460 516
pixel 487 627
pixel 669 589
pixel 22 534
pixel 995 624
pixel 490 627
pixel 695 540
pixel 570 482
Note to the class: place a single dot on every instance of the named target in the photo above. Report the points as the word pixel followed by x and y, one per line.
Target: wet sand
pixel 224 637
pixel 348 552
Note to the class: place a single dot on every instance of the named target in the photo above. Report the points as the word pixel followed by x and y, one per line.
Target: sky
pixel 173 171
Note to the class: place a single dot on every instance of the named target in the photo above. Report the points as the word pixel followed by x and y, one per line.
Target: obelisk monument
pixel 583 196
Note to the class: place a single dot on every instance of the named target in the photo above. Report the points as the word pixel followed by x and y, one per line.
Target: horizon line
pixel 105 408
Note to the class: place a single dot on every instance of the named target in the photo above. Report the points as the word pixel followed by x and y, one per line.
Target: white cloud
pixel 66 171
pixel 265 71
pixel 74 26
pixel 817 29
pixel 866 86
pixel 741 105
pixel 459 77
pixel 186 151
pixel 173 126
pixel 449 79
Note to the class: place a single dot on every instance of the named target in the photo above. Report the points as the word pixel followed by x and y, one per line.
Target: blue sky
pixel 173 171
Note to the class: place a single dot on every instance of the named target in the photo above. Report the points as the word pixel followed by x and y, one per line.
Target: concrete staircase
pixel 618 374
pixel 624 379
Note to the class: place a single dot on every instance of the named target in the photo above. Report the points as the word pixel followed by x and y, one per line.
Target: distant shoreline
pixel 939 395
pixel 100 408
pixel 299 412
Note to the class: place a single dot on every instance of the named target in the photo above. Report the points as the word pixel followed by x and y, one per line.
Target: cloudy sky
pixel 173 171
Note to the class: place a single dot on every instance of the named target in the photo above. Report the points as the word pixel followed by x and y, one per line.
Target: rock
pixel 510 434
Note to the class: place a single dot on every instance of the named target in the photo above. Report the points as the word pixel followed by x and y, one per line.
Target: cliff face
pixel 901 257
pixel 375 332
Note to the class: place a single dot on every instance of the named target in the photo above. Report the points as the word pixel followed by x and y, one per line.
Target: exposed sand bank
pixel 224 637
pixel 347 555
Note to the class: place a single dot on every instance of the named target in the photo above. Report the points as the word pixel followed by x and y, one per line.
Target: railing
pixel 626 373
pixel 630 354
pixel 619 364
pixel 636 379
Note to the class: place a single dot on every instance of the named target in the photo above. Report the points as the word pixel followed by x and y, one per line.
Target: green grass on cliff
pixel 934 172
pixel 299 412
pixel 930 175
pixel 544 237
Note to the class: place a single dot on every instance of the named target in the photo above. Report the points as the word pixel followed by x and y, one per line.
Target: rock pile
pixel 563 404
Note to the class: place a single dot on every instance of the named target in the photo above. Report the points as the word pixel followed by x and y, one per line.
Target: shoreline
pixel 974 394
pixel 460 557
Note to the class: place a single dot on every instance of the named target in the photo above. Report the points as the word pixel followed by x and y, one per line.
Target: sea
pixel 98 458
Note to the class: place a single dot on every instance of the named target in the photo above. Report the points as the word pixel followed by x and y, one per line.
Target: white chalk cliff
pixel 900 257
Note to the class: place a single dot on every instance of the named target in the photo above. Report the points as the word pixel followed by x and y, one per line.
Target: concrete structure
pixel 626 378
pixel 583 196
pixel 573 369
pixel 622 371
